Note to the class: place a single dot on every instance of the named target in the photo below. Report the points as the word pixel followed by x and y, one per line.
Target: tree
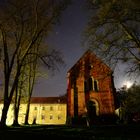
pixel 113 31
pixel 132 102
pixel 129 102
pixel 31 80
pixel 24 24
pixel 27 75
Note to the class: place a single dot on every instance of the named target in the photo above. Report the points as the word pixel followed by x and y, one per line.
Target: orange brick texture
pixel 90 79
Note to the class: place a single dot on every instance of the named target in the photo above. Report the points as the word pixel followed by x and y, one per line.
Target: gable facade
pixel 90 81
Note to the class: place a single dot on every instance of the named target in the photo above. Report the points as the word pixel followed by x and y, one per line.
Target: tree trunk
pixel 4 114
pixel 16 109
pixel 27 111
pixel 15 122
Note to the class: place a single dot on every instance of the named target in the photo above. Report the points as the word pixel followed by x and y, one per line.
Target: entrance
pixel 92 111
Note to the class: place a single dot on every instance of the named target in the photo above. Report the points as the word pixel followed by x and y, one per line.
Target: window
pixel 51 117
pixel 35 108
pixel 43 108
pixel 85 87
pixel 90 84
pixel 51 108
pixel 59 117
pixel 43 117
pixel 96 86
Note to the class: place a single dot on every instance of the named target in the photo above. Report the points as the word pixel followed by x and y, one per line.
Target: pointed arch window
pixel 96 87
pixel 90 84
pixel 85 86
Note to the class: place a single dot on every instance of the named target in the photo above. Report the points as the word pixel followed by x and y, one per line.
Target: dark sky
pixel 67 38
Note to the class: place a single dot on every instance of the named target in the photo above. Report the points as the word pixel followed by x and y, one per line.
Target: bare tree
pixel 23 24
pixel 113 31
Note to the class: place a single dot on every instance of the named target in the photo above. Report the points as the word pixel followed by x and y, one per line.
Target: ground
pixel 44 132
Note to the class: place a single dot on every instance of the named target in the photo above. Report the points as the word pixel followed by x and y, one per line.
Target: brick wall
pixel 90 80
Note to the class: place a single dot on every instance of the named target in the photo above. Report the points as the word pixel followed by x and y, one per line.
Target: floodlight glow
pixel 128 84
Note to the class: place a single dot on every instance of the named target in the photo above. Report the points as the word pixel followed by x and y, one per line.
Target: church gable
pixel 90 79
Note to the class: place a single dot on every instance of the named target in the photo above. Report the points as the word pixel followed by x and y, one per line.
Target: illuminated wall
pixel 43 113
pixel 90 80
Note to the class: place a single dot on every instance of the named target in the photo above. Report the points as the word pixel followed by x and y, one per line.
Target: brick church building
pixel 90 88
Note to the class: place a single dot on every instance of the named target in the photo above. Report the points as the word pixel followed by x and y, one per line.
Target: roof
pixel 46 100
pixel 91 54
pixel 49 100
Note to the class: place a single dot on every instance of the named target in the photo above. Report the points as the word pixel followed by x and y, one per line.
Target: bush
pixel 108 119
pixel 79 121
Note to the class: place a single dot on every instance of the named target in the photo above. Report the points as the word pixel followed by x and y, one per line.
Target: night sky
pixel 67 37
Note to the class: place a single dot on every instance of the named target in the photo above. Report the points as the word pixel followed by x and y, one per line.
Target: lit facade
pixel 90 80
pixel 43 110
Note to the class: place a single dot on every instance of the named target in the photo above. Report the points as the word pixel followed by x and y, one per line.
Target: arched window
pixel 90 84
pixel 85 87
pixel 96 88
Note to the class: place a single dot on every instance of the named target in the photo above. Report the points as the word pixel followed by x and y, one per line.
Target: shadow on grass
pixel 98 132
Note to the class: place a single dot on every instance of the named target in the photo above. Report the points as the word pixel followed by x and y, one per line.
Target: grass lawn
pixel 44 132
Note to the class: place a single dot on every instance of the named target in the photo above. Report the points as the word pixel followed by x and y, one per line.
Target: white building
pixel 43 110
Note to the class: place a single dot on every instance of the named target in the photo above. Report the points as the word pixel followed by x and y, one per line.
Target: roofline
pixel 91 52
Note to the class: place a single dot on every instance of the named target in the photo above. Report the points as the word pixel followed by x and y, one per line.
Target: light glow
pixel 128 84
